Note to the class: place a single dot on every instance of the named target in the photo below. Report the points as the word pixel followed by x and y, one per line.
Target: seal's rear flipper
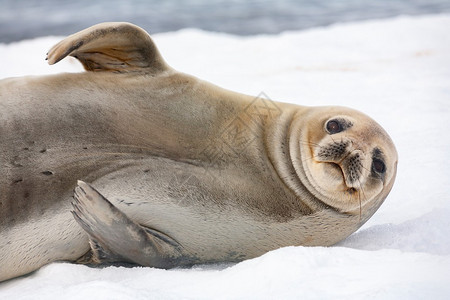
pixel 115 237
pixel 114 47
pixel 98 255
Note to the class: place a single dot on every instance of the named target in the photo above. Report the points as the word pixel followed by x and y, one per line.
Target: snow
pixel 397 71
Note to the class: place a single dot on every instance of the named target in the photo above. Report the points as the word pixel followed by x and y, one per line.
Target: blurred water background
pixel 22 19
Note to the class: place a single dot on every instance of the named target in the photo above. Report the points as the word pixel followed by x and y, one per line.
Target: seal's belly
pixel 208 211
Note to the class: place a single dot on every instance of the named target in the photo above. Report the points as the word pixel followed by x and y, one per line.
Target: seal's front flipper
pixel 115 237
pixel 113 47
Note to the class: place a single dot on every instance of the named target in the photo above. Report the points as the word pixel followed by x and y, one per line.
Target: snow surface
pixel 395 70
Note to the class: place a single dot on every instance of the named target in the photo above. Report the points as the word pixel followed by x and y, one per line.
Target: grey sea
pixel 21 19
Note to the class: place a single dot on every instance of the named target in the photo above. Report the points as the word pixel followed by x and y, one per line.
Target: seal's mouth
pixel 336 167
pixel 350 177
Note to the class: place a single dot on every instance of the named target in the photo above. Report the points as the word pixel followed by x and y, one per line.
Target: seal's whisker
pixel 332 139
pixel 362 166
pixel 311 143
pixel 359 198
pixel 309 158
pixel 351 196
pixel 360 208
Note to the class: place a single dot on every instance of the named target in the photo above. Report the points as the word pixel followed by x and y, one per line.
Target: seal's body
pixel 184 172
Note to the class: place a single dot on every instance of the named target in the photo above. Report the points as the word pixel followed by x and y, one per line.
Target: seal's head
pixel 348 161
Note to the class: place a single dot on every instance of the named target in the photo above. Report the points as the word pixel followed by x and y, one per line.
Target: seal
pixel 170 170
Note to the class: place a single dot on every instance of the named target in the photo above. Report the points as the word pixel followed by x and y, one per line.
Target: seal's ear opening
pixel 111 47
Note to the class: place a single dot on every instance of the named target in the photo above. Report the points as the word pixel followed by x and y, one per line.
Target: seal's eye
pixel 378 166
pixel 334 126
